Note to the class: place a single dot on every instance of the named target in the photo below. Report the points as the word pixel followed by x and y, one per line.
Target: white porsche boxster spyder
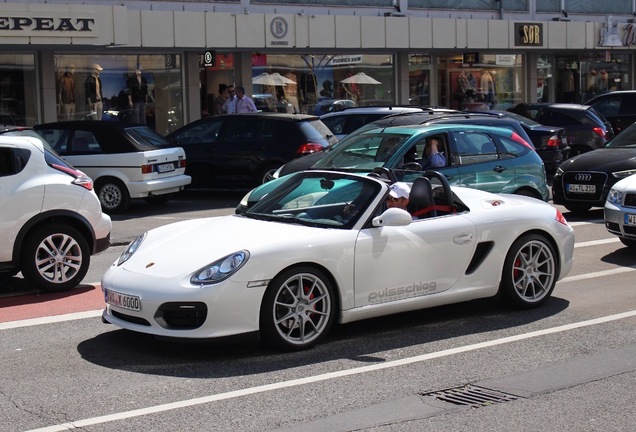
pixel 323 247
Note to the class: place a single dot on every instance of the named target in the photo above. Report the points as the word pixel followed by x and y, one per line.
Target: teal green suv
pixel 482 157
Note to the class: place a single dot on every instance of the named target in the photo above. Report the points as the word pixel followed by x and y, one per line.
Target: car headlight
pixel 615 197
pixel 221 269
pixel 131 249
pixel 623 174
pixel 558 172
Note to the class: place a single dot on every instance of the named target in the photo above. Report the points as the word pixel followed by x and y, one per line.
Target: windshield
pixel 146 137
pixel 523 120
pixel 317 199
pixel 627 138
pixel 363 152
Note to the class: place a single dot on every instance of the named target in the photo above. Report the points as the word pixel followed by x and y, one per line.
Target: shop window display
pixel 317 84
pixel 494 83
pixel 419 79
pixel 143 89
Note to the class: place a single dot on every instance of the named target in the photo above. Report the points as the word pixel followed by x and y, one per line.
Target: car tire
pixel 298 309
pixel 529 273
pixel 630 243
pixel 55 258
pixel 577 208
pixel 113 195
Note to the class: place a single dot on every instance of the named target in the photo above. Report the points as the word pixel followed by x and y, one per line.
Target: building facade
pixel 303 56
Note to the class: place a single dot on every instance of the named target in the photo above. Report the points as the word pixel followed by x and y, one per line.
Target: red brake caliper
pixel 311 297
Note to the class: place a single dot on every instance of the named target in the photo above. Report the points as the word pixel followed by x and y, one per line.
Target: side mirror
pixel 412 166
pixel 393 217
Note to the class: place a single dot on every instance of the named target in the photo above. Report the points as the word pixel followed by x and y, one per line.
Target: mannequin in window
pixel 138 97
pixel 93 89
pixel 66 94
pixel 487 88
pixel 603 81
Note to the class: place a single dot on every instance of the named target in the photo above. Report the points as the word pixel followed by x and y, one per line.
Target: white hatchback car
pixel 620 211
pixel 125 161
pixel 51 221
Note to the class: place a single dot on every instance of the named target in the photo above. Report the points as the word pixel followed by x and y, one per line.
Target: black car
pixel 585 128
pixel 618 107
pixel 428 116
pixel 584 181
pixel 239 150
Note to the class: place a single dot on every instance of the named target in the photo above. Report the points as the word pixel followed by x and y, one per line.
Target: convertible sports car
pixel 323 247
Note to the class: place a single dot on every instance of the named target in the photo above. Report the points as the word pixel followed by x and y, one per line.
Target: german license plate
pixel 163 168
pixel 122 300
pixel 581 188
pixel 630 219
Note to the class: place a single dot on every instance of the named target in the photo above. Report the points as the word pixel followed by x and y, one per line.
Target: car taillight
pixel 600 131
pixel 560 218
pixel 181 163
pixel 81 179
pixel 554 141
pixel 308 148
pixel 146 169
pixel 515 137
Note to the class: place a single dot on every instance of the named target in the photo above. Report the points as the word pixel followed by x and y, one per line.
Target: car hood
pixel 181 248
pixel 605 159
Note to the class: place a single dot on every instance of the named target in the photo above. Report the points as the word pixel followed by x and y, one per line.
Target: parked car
pixel 52 221
pixel 619 107
pixel 584 181
pixel 343 122
pixel 424 117
pixel 126 161
pixel 585 128
pixel 550 142
pixel 265 102
pixel 240 150
pixel 318 251
pixel 331 105
pixel 484 157
pixel 620 211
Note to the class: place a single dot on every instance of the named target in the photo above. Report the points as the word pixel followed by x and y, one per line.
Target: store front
pixel 139 88
pixel 308 83
pixel 481 81
pixel 18 89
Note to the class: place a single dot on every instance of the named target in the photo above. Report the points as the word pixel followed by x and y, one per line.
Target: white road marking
pixel 50 319
pixel 327 376
pixel 596 242
pixel 587 222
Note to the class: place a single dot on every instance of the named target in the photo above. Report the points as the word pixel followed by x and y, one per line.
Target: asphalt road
pixel 567 366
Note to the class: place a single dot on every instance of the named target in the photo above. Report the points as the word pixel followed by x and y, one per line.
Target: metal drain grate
pixel 472 396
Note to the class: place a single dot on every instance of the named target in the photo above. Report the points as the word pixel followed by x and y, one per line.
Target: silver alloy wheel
pixel 111 196
pixel 58 258
pixel 533 271
pixel 301 309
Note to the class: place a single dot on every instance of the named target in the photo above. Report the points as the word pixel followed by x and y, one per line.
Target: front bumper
pixel 615 221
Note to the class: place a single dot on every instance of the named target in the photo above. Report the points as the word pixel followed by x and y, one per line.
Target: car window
pixel 84 142
pixel 202 132
pixel 57 139
pixel 627 138
pixel 363 152
pixel 475 147
pixel 243 129
pixel 146 137
pixel 267 132
pixel 594 117
pixel 609 105
pixel 8 162
pixel 316 130
pixel 523 120
pixel 553 118
pixel 512 148
pixel 336 124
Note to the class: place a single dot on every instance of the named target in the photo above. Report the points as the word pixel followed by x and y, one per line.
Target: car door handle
pixel 499 169
pixel 463 238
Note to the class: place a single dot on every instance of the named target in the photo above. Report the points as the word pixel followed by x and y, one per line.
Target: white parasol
pixel 274 79
pixel 360 78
